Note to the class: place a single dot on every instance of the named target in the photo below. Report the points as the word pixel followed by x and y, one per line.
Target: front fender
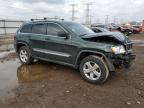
pixel 101 55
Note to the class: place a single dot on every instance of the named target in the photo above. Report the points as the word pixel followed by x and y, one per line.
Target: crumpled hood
pixel 117 35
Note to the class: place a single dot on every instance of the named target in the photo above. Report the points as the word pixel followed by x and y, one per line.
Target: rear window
pixel 26 28
pixel 39 29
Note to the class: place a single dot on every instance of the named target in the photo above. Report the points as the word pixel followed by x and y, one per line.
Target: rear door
pixel 37 39
pixel 57 48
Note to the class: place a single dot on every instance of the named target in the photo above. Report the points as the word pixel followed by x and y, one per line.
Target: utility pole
pixel 107 20
pixel 88 13
pixel 73 11
pixel 115 20
pixel 90 19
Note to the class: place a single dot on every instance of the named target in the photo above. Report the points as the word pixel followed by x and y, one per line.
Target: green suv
pixel 75 45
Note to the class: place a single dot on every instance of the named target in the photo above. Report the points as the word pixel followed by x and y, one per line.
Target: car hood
pixel 117 35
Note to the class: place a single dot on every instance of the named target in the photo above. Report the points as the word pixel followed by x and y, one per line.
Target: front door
pixel 57 48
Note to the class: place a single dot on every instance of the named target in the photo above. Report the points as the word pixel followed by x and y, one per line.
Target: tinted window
pixel 79 29
pixel 53 29
pixel 39 29
pixel 26 28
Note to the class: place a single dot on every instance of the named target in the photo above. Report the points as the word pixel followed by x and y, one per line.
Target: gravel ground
pixel 47 85
pixel 6 39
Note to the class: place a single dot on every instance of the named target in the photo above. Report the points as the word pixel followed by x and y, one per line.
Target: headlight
pixel 118 49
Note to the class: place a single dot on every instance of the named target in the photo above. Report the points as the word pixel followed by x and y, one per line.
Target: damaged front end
pixel 125 59
pixel 122 60
pixel 120 53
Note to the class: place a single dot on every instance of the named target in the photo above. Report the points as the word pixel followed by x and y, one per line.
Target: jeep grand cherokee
pixel 73 44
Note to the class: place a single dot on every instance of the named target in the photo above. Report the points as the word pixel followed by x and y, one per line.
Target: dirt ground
pixel 6 39
pixel 48 85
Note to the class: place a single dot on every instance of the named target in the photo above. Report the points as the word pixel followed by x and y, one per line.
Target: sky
pixel 117 10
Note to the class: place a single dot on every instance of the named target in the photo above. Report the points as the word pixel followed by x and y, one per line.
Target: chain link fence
pixel 9 26
pixel 7 30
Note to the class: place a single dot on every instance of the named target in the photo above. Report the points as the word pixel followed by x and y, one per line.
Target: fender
pixel 24 43
pixel 108 61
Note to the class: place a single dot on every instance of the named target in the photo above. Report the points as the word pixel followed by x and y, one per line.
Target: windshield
pixel 79 29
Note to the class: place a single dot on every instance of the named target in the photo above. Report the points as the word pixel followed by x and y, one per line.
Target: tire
pixel 98 73
pixel 25 55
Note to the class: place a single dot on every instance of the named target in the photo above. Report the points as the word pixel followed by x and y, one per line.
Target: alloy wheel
pixel 91 70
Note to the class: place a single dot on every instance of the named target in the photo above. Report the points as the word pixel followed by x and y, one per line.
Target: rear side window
pixel 39 29
pixel 26 28
pixel 53 29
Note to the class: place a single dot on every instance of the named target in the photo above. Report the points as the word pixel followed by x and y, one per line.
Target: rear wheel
pixel 24 55
pixel 94 70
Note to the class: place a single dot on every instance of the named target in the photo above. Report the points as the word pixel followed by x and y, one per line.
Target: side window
pixel 26 28
pixel 53 29
pixel 39 29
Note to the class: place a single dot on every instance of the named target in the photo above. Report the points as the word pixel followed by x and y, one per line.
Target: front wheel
pixel 24 55
pixel 94 70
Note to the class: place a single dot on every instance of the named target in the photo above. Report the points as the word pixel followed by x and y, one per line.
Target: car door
pixel 37 39
pixel 57 48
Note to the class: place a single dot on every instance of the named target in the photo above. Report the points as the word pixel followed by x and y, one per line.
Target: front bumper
pixel 123 60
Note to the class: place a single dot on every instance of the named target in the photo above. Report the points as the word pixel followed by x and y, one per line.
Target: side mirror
pixel 63 34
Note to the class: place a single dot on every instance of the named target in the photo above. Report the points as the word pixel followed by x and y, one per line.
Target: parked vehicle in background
pixel 98 25
pixel 75 45
pixel 136 29
pixel 99 29
pixel 116 28
pixel 125 31
pixel 112 27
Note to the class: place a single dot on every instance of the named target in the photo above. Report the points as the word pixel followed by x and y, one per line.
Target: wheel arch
pixel 86 53
pixel 20 44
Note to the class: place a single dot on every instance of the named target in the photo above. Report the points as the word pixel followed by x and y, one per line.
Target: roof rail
pixel 55 18
pixel 37 19
pixel 46 18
